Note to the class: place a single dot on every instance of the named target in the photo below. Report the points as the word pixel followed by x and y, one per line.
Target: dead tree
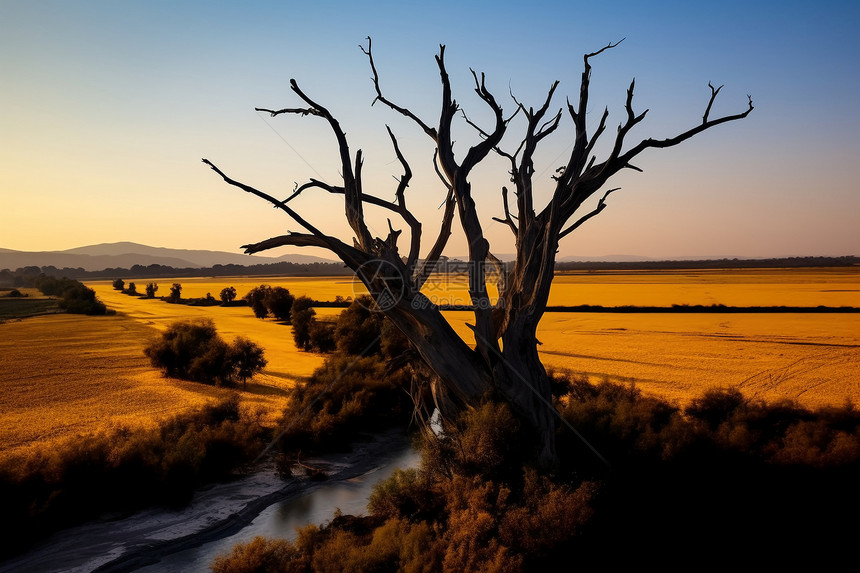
pixel 505 355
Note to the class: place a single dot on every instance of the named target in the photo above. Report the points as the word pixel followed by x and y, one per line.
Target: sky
pixel 107 107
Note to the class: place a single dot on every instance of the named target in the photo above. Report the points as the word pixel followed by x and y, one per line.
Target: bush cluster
pixel 123 469
pixel 75 297
pixel 683 484
pixel 442 517
pixel 265 300
pixel 193 350
pixel 359 388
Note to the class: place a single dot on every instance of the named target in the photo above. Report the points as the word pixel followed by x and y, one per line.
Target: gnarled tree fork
pixel 504 357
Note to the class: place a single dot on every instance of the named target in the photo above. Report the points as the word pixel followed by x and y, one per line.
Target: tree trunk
pixel 525 385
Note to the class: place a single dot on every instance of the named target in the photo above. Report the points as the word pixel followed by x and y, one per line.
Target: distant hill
pixel 127 254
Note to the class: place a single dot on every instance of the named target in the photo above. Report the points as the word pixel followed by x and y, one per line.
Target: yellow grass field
pixel 808 357
pixel 65 374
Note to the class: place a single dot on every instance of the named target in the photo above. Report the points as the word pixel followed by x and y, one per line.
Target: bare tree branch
pixel 379 97
pixel 330 243
pixel 423 272
pixel 714 93
pixel 672 141
pixel 400 195
pixel 601 205
pixel 508 220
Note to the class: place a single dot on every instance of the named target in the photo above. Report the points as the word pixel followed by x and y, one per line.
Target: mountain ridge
pixel 126 254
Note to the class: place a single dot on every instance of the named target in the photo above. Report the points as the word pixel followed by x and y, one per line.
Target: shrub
pixel 345 396
pixel 175 293
pixel 151 289
pixel 302 317
pixel 279 303
pixel 256 298
pixel 260 555
pixel 322 335
pixel 132 289
pixel 122 469
pixel 359 329
pixel 228 294
pixel 118 284
pixel 193 350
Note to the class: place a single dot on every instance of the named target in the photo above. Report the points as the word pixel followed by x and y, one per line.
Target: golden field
pixel 67 374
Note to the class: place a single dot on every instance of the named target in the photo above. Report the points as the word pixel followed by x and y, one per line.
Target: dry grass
pixel 64 375
pixel 738 287
pixel 812 358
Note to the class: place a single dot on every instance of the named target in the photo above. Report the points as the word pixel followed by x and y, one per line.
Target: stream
pixel 221 515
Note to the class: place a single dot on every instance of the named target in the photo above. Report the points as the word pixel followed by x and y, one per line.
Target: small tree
pixel 151 289
pixel 256 298
pixel 359 328
pixel 118 284
pixel 279 301
pixel 247 359
pixel 132 288
pixel 175 293
pixel 302 318
pixel 228 294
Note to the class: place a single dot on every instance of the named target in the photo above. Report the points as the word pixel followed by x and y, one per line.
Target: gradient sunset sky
pixel 107 107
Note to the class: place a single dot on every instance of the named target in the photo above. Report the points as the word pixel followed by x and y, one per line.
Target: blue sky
pixel 107 108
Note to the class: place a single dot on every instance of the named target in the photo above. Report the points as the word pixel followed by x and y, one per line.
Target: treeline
pixel 787 263
pixel 11 277
pixel 74 297
pixel 18 277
